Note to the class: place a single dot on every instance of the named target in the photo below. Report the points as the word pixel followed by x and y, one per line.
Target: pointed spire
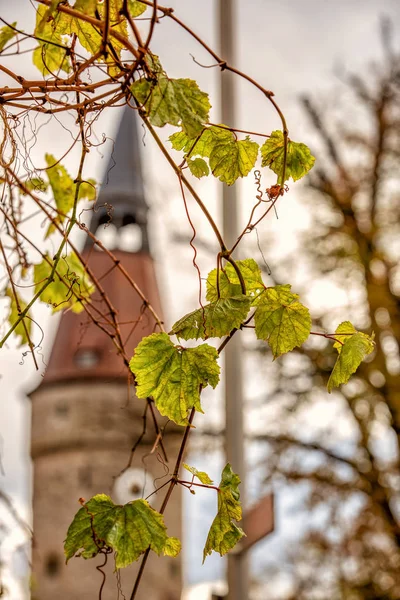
pixel 123 181
pixel 122 187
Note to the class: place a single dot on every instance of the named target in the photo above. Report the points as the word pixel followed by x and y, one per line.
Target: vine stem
pixel 118 265
pixel 108 33
pixel 236 130
pixel 330 336
pixel 17 303
pixel 125 273
pixel 172 484
pixel 189 484
pixel 174 479
pixel 250 226
pixel 238 273
pixel 96 22
pixel 178 172
pixel 182 179
pixel 223 65
pixel 106 28
pixel 126 13
pixel 57 256
pixel 191 242
pixel 224 253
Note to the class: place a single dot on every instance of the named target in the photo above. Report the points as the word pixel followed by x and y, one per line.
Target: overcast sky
pixel 291 47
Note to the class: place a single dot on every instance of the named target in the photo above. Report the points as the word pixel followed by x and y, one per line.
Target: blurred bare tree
pixel 351 550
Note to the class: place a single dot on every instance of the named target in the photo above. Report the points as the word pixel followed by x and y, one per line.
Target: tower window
pixel 85 476
pixel 86 358
pixel 108 235
pixel 130 238
pixel 61 409
pixel 52 565
pixel 128 219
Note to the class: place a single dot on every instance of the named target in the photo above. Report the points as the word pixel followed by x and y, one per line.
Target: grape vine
pixel 91 56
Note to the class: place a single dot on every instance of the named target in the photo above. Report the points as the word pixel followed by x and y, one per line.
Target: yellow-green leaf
pixel 352 349
pixel 118 24
pixel 198 167
pixel 23 329
pixel 64 189
pixel 6 34
pixel 281 320
pixel 207 140
pixel 71 287
pixel 172 547
pixel 129 530
pixel 224 533
pixel 231 159
pixel 210 137
pixel 201 144
pixel 172 375
pixel 51 55
pixel 89 36
pixel 53 26
pixel 299 159
pixel 35 184
pixel 181 141
pixel 201 475
pixel 213 320
pixel 229 284
pixel 136 8
pixel 343 331
pixel 173 101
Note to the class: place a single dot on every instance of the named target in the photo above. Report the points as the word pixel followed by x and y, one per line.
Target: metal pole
pixel 237 563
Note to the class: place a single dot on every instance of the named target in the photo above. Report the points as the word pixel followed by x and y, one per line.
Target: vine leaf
pixel 71 287
pixel 198 167
pixel 299 159
pixel 52 26
pixel 136 8
pixel 64 190
pixel 13 316
pixel 281 320
pixel 6 34
pixel 35 184
pixel 129 530
pixel 172 375
pixel 352 349
pixel 229 158
pixel 201 475
pixel 226 287
pixel 224 534
pixel 89 37
pixel 180 141
pixel 229 284
pixel 118 24
pixel 213 320
pixel 173 101
pixel 51 56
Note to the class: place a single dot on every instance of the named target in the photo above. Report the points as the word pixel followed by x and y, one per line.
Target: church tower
pixel 85 417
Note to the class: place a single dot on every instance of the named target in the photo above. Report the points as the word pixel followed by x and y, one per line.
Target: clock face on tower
pixel 134 483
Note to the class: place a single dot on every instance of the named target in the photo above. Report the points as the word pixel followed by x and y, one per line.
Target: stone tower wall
pixel 82 434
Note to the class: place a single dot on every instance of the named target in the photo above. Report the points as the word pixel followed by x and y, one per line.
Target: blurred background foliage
pixel 348 464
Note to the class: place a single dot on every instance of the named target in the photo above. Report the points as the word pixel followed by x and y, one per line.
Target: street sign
pixel 258 522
